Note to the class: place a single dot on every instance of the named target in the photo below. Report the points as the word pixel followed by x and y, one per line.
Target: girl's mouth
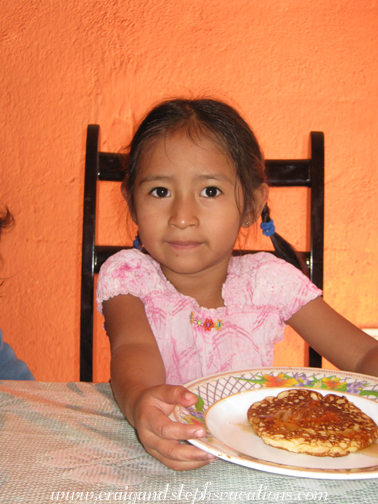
pixel 184 245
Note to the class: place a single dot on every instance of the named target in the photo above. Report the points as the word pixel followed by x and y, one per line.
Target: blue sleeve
pixel 12 368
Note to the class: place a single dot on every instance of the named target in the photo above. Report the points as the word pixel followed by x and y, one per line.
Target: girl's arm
pixel 138 382
pixel 336 339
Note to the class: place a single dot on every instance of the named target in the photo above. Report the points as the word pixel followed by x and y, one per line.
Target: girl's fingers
pixel 179 456
pixel 173 450
pixel 175 395
pixel 163 427
pixel 168 429
pixel 180 465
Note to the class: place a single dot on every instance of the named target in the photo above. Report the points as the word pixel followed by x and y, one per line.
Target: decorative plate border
pixel 213 388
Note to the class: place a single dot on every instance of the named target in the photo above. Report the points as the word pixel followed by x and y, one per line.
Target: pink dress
pixel 260 293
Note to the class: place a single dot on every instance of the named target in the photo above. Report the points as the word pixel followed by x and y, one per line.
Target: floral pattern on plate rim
pixel 213 388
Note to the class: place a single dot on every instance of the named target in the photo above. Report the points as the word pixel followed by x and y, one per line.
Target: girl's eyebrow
pixel 205 176
pixel 216 176
pixel 154 178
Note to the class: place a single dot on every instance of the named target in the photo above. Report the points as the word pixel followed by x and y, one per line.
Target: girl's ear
pixel 127 198
pixel 260 197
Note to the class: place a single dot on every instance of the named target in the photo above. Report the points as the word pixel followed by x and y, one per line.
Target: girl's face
pixel 185 205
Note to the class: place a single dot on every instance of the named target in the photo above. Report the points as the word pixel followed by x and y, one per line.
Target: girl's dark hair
pixel 221 123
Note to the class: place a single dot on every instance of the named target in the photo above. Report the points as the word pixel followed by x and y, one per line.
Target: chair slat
pixel 102 253
pixel 288 173
pixel 280 173
pixel 111 166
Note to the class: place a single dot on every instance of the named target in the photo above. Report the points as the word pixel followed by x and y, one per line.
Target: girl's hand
pixel 161 436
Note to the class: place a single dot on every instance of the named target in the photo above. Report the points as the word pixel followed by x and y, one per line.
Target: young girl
pixel 183 306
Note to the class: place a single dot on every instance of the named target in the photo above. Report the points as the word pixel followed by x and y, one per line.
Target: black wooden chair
pixel 108 166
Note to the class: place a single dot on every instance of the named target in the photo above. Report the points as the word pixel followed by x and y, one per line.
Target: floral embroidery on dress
pixel 208 324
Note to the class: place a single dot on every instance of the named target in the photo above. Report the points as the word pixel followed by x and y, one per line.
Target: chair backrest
pixel 108 166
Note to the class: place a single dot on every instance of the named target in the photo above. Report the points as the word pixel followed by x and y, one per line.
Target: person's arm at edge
pixel 335 338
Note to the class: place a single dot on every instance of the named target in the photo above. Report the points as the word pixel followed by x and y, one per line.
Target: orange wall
pixel 291 66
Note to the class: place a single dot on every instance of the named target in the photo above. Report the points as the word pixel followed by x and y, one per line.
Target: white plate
pixel 222 408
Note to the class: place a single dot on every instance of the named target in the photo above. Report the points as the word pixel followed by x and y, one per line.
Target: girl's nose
pixel 183 213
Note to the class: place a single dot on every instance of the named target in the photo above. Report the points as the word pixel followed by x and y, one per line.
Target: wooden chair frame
pixel 108 166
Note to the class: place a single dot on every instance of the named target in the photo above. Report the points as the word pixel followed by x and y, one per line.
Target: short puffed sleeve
pixel 263 280
pixel 283 286
pixel 127 272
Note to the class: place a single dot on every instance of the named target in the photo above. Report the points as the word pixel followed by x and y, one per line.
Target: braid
pixel 282 248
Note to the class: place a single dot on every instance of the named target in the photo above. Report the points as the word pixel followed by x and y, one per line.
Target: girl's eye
pixel 160 192
pixel 210 192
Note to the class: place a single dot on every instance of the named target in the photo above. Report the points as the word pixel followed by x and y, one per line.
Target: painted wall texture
pixel 290 66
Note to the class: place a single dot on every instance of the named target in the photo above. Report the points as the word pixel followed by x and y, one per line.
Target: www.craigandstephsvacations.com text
pixel 185 494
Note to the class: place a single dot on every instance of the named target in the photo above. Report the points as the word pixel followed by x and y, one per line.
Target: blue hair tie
pixel 136 243
pixel 268 228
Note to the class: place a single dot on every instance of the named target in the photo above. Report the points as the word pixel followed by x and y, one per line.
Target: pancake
pixel 305 421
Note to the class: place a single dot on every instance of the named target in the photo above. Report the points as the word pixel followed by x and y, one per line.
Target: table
pixel 69 442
